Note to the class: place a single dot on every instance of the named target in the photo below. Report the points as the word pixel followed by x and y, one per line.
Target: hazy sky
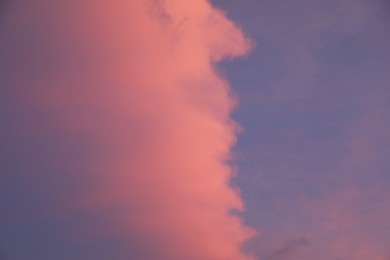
pixel 172 130
pixel 314 105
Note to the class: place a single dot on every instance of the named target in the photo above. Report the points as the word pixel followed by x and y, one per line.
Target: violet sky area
pixel 195 130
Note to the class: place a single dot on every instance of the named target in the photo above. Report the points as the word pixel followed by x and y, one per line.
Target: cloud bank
pixel 121 116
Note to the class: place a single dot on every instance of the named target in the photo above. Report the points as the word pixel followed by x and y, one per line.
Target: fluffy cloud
pixel 129 121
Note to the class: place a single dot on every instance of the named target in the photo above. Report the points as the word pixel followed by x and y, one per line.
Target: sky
pixel 197 130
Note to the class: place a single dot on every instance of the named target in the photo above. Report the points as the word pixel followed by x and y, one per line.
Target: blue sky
pixel 314 105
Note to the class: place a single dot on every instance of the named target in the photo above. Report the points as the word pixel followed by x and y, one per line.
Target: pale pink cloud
pixel 135 82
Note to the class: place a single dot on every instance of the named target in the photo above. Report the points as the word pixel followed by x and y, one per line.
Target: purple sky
pixel 313 158
pixel 315 108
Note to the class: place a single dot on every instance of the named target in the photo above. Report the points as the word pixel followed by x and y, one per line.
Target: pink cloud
pixel 134 82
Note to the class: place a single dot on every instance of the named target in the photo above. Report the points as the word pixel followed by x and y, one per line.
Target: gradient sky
pixel 117 139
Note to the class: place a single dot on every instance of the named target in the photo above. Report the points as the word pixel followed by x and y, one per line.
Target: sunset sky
pixel 195 130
